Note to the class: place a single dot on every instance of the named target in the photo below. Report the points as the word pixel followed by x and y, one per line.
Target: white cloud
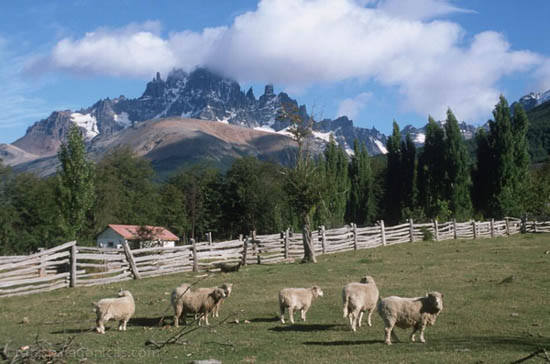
pixel 419 9
pixel 543 76
pixel 351 107
pixel 304 42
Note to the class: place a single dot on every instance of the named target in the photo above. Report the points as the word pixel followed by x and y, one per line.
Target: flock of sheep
pixel 357 297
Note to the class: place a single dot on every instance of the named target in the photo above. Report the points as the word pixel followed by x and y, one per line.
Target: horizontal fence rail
pixel 69 265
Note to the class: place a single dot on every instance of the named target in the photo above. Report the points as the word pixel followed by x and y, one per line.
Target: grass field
pixel 483 320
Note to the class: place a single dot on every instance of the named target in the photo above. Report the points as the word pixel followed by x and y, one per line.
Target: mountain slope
pixel 200 94
pixel 172 143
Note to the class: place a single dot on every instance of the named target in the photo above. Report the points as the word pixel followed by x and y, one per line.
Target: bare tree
pixel 302 182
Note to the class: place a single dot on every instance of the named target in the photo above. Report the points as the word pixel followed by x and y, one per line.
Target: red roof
pixel 131 232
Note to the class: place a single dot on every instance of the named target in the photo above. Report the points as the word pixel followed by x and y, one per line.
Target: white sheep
pixel 297 299
pixel 197 302
pixel 410 312
pixel 358 298
pixel 227 288
pixel 177 296
pixel 121 308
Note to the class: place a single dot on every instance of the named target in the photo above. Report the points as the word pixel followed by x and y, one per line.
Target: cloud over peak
pixel 302 42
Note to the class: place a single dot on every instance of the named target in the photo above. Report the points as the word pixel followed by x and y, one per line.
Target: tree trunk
pixel 309 250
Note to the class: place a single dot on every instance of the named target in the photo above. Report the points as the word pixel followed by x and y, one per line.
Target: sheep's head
pixel 124 293
pixel 367 280
pixel 436 300
pixel 227 287
pixel 218 294
pixel 317 292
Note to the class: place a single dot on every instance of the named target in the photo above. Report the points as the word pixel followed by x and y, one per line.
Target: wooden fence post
pixel 354 227
pixel 209 238
pixel 492 228
pixel 73 265
pixel 454 229
pixel 130 259
pixel 436 229
pixel 245 248
pixel 195 260
pixel 411 230
pixel 323 239
pixel 286 242
pixel 535 226
pixel 507 226
pixel 474 228
pixel 383 232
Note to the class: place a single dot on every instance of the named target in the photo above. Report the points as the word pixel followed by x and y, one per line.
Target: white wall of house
pixel 109 239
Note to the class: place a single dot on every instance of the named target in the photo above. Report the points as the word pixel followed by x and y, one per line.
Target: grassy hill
pixel 483 320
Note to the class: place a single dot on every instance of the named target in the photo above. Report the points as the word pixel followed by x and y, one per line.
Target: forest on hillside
pixel 440 181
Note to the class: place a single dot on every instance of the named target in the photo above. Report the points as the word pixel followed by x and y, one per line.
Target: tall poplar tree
pixel 457 167
pixel 361 204
pixel 431 173
pixel 393 176
pixel 334 172
pixel 408 167
pixel 504 154
pixel 75 184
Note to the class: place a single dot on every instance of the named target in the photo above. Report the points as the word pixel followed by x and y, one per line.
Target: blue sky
pixel 373 60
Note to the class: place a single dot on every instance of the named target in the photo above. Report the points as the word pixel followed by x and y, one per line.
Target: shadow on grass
pixel 150 321
pixel 343 342
pixel 75 331
pixel 503 342
pixel 306 327
pixel 265 319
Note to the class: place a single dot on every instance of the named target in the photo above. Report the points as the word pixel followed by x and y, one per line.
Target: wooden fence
pixel 69 265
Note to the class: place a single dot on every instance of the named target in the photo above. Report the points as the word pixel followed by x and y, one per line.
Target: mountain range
pixel 179 103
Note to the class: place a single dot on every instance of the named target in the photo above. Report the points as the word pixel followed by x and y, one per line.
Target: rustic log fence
pixel 69 265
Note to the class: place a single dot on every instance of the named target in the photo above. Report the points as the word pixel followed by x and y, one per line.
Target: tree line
pixel 439 181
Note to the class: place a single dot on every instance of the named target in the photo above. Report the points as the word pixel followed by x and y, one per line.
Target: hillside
pixel 172 143
pixel 483 320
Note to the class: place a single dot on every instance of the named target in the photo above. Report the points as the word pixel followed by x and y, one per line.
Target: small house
pixel 137 236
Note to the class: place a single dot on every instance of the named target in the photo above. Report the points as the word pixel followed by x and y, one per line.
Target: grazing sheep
pixel 410 312
pixel 227 288
pixel 176 297
pixel 297 299
pixel 197 302
pixel 121 308
pixel 358 298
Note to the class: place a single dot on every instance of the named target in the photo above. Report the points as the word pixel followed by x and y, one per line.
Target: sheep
pixel 121 308
pixel 227 288
pixel 176 297
pixel 358 298
pixel 410 312
pixel 197 302
pixel 297 298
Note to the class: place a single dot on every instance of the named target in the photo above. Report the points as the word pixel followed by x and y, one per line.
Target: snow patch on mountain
pixel 123 119
pixel 381 146
pixel 265 128
pixel 322 136
pixel 420 138
pixel 88 122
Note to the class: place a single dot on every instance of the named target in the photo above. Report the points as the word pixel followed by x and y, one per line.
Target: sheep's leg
pixel 415 329
pixel 282 310
pixel 388 331
pixel 369 317
pixel 100 327
pixel 177 314
pixel 422 327
pixel 121 325
pixel 291 314
pixel 360 318
pixel 125 322
pixel 351 320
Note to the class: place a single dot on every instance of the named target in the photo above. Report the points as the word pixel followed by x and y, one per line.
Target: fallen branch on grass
pixel 546 357
pixel 41 351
